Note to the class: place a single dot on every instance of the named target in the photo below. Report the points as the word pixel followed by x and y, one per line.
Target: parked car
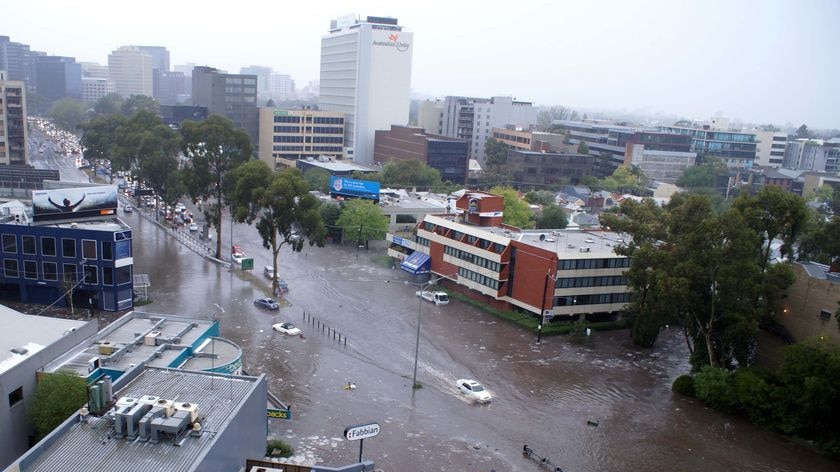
pixel 267 304
pixel 128 209
pixel 473 390
pixel 286 328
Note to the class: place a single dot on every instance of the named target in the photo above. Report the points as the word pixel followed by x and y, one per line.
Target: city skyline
pixel 759 62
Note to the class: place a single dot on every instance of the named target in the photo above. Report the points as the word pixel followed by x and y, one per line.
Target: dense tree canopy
pixel 495 153
pixel 318 179
pixel 57 396
pixel 517 212
pixel 362 221
pixel 702 176
pixel 137 103
pixel 67 114
pixel 214 148
pixel 280 203
pixel 108 105
pixel 540 197
pixel 410 173
pixel 583 148
pixel 625 180
pixel 552 217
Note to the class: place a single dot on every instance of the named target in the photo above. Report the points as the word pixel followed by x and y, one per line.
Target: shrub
pixel 57 396
pixel 684 385
pixel 712 385
pixel 754 396
pixel 277 448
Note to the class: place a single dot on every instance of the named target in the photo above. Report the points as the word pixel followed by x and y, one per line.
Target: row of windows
pixel 70 272
pixel 577 264
pixel 422 241
pixel 239 81
pixel 288 139
pixel 287 129
pixel 574 282
pixel 478 278
pixel 69 247
pixel 593 299
pixel 327 130
pixel 327 139
pixel 470 239
pixel 473 259
pixel 286 119
pixel 329 120
pixel 327 148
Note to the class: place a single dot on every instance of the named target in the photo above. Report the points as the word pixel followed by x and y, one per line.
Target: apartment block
pixel 13 149
pixel 473 119
pixel 233 96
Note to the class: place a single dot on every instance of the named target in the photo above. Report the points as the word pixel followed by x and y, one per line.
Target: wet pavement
pixel 545 395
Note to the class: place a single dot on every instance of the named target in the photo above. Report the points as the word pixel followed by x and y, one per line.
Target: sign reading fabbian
pixel 361 431
pixel 74 203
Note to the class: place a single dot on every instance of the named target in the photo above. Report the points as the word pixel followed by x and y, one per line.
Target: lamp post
pixel 542 313
pixel 422 286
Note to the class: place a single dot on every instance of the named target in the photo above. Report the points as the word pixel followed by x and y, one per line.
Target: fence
pixel 324 328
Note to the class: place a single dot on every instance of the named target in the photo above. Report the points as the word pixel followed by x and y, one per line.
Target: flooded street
pixel 544 395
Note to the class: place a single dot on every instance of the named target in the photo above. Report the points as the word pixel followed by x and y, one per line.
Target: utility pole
pixel 542 312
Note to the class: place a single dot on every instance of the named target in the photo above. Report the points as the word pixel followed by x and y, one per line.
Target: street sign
pixel 248 264
pixel 280 414
pixel 361 431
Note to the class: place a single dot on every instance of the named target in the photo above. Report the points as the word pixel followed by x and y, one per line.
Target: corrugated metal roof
pixel 91 446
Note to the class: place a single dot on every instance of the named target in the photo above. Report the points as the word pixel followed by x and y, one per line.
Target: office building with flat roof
pixel 94 88
pixel 58 77
pixel 736 149
pixel 473 119
pixel 233 96
pixel 131 70
pixel 27 344
pixel 449 156
pixel 366 74
pixel 288 135
pixel 13 143
pixel 544 170
pixel 16 59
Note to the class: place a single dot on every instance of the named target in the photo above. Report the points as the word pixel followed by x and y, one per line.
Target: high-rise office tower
pixel 131 70
pixel 366 74
pixel 12 121
pixel 233 96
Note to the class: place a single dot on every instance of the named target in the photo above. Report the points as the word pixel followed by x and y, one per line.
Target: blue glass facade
pixel 450 158
pixel 90 262
pixel 733 148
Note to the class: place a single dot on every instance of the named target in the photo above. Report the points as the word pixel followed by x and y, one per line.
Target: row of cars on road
pixel 62 142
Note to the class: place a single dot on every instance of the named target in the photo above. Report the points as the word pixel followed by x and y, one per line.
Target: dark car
pixel 266 303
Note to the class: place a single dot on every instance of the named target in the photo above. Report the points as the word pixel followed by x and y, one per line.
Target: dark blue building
pixel 450 156
pixel 58 77
pixel 87 263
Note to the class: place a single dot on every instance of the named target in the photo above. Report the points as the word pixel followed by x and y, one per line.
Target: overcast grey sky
pixel 770 61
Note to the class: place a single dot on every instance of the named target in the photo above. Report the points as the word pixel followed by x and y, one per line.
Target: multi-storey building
pixel 543 272
pixel 366 74
pixel 281 86
pixel 401 143
pixel 543 170
pixel 473 119
pixel 832 156
pixel 290 135
pixel 173 87
pixel 94 70
pixel 69 247
pixel 16 60
pixel 770 148
pixel 430 116
pixel 661 156
pixel 814 155
pixel 233 96
pixel 131 70
pixel 58 77
pixel 263 75
pixel 94 88
pixel 12 121
pixel 737 150
pixel 160 57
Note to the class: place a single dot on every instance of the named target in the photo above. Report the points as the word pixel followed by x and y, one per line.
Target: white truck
pixel 438 298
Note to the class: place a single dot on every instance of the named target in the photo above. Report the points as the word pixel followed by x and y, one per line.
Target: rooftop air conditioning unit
pixel 148 400
pixel 168 405
pixel 106 348
pixel 191 408
pixel 123 402
pixel 151 338
pixel 585 249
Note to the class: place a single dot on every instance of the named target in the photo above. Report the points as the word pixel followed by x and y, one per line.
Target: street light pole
pixel 542 313
pixel 417 340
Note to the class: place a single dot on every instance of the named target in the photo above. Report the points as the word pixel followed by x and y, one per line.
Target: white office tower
pixel 366 73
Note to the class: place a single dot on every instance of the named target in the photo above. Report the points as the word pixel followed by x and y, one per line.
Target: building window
pixel 47 246
pixel 123 249
pixel 10 244
pixel 30 269
pixel 10 268
pixel 68 247
pixel 69 274
pixel 50 270
pixel 28 244
pixel 16 396
pixel 89 249
pixel 91 275
pixel 123 275
pixel 107 251
pixel 107 276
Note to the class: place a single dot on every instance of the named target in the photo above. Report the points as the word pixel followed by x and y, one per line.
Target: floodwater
pixel 545 395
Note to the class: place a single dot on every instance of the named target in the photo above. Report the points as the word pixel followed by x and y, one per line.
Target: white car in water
pixel 473 390
pixel 286 328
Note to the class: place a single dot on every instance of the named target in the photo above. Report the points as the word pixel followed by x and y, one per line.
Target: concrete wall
pixel 801 309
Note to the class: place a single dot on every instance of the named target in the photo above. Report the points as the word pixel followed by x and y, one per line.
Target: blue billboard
pixel 352 188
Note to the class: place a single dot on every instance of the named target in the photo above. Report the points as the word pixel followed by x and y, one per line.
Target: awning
pixel 417 263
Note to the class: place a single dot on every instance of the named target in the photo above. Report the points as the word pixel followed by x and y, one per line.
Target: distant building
pixel 94 88
pixel 366 74
pixel 770 148
pixel 263 75
pixel 809 154
pixel 430 116
pixel 17 60
pixel 131 70
pixel 160 57
pixel 450 156
pixel 810 303
pixel 233 96
pixel 58 77
pixel 174 115
pixel 290 135
pixel 736 149
pixel 27 344
pixel 281 86
pixel 173 87
pixel 473 119
pixel 543 170
pixel 94 70
pixel 335 168
pixel 13 142
pixel 663 166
